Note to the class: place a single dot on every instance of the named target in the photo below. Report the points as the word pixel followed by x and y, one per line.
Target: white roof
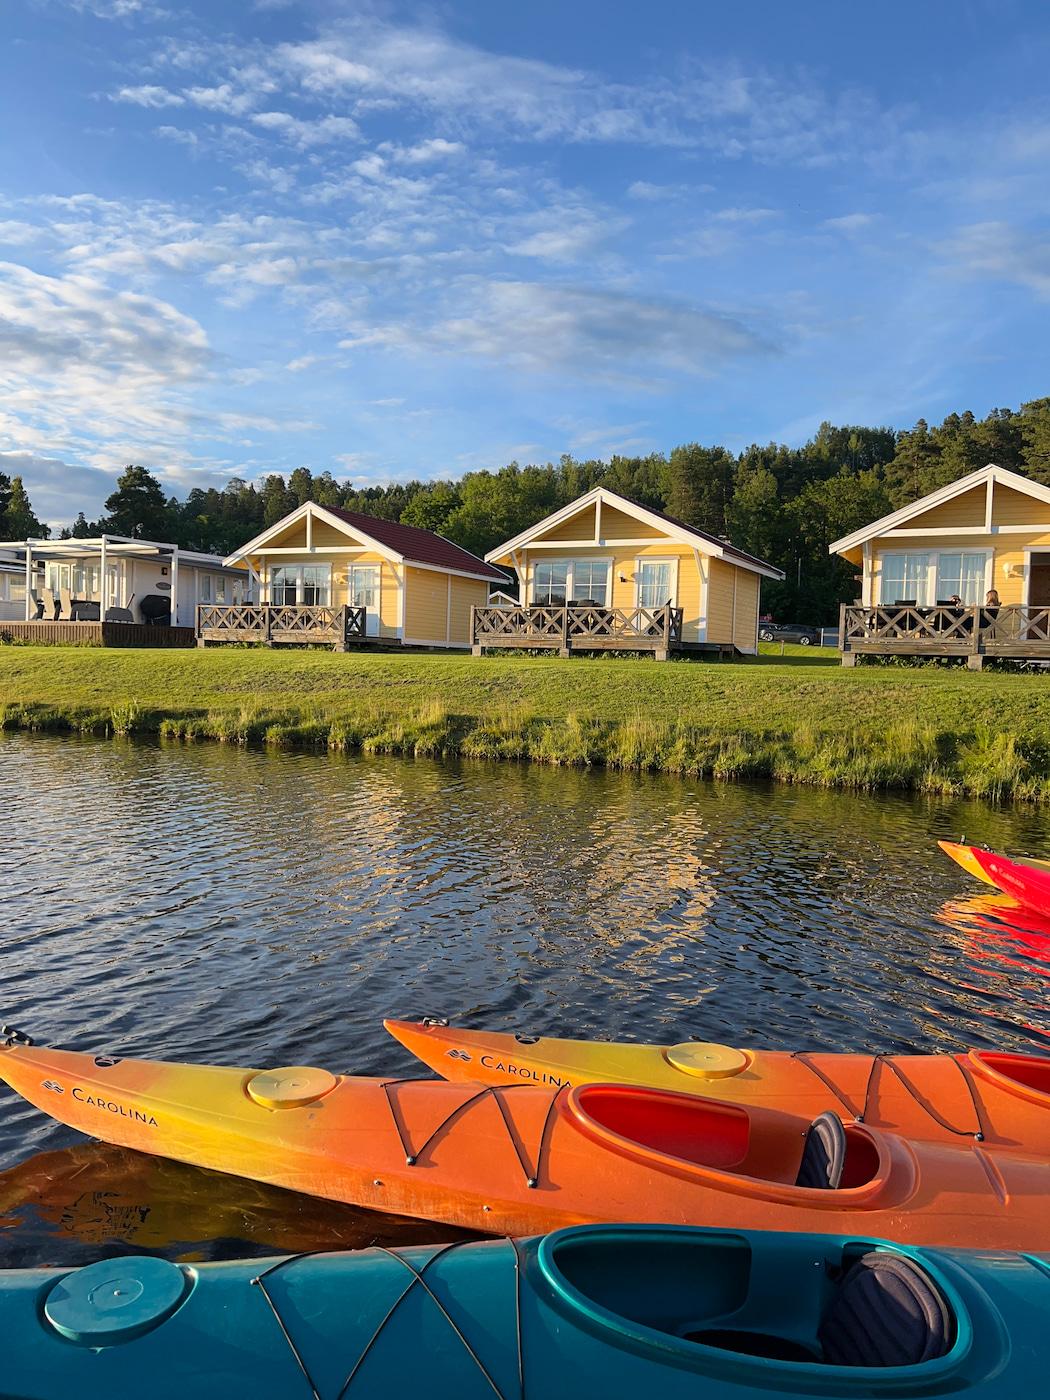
pixel 981 477
pixel 116 546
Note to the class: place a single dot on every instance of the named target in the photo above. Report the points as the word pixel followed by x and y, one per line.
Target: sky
pixel 406 241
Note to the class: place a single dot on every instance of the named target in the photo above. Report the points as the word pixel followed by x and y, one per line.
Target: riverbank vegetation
pixel 794 719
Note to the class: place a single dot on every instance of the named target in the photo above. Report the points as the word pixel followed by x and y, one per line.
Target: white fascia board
pixel 1000 475
pixel 549 522
pixel 300 513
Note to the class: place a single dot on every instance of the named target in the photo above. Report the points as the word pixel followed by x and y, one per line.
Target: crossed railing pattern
pixel 575 623
pixel 303 622
pixel 944 626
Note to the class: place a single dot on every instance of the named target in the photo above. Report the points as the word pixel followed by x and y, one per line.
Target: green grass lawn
pixel 798 718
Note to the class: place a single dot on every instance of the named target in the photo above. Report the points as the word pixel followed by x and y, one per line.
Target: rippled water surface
pixel 256 908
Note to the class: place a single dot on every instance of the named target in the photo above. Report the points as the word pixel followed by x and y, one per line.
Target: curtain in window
pixel 905 577
pixel 654 584
pixel 962 574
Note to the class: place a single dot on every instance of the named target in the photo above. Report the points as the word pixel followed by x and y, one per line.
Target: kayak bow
pixel 1027 881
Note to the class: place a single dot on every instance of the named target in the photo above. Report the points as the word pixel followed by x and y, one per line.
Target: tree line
pixel 784 504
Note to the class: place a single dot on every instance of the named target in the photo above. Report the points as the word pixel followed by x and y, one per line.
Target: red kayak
pixel 1026 881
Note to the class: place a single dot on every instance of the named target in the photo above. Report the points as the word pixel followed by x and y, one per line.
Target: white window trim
pixel 570 561
pixel 671 559
pixel 934 569
pixel 300 564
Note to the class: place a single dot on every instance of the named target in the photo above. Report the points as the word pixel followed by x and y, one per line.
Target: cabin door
pixel 1039 581
pixel 364 593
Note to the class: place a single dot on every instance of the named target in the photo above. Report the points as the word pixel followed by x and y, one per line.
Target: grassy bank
pixel 796 718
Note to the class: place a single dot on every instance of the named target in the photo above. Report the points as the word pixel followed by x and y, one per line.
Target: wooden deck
pixel 578 627
pixel 96 634
pixel 1012 631
pixel 280 624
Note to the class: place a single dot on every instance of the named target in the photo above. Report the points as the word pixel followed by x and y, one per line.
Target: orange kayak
pixel 522 1159
pixel 1027 881
pixel 985 1096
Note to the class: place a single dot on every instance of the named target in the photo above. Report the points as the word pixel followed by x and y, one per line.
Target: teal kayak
pixel 597 1310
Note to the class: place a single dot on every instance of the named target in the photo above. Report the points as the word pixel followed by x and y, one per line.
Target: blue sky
pixel 407 240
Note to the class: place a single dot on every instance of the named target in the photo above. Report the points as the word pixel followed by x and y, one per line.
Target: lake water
pixel 256 909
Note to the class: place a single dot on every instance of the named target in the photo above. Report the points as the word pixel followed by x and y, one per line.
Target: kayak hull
pixel 610 1311
pixel 527 1159
pixel 932 1098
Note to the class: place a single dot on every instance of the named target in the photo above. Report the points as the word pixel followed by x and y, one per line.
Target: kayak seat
pixel 887 1312
pixel 823 1154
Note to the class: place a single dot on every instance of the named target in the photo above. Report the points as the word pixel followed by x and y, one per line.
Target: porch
pixel 96 634
pixel 280 624
pixel 578 627
pixel 1011 631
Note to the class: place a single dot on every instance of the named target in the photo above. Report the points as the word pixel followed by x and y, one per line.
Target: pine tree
pixel 20 522
pixel 138 507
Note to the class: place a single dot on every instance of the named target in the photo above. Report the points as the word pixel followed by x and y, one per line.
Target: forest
pixel 784 504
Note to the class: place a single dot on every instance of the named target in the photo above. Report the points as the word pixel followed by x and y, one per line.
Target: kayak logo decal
pixel 535 1076
pixel 458 1055
pixel 111 1106
pixel 50 1084
pixel 106 1061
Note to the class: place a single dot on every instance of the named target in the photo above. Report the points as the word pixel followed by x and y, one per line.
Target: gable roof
pixel 675 529
pixel 981 477
pixel 403 543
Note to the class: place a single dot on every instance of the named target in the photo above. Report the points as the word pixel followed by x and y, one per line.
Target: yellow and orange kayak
pixel 523 1159
pixel 1000 1099
pixel 1027 881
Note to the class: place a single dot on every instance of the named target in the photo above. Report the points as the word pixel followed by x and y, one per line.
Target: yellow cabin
pixel 606 573
pixel 964 571
pixel 323 574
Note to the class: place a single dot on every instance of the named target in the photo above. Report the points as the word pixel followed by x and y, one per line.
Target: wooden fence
pixel 577 627
pixel 1010 631
pixel 280 624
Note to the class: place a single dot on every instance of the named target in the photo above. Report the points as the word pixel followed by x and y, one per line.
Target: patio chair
pixel 38 603
pixel 118 614
pixel 67 604
pixel 51 609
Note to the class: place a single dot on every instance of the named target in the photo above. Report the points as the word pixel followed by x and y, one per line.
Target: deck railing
pixel 279 623
pixel 577 627
pixel 900 629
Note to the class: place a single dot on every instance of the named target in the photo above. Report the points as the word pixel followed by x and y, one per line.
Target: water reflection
pixel 260 908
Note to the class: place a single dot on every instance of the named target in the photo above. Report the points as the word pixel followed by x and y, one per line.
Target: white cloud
pixel 999 250
pixel 223 98
pixel 553 328
pixel 746 216
pixel 849 223
pixel 436 148
pixel 149 95
pixel 305 134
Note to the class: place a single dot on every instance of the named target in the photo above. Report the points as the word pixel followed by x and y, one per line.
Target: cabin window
pixel 363 586
pixel 550 583
pixel 205 588
pixel 307 585
pixel 962 574
pixel 655 582
pixel 556 582
pixel 924 577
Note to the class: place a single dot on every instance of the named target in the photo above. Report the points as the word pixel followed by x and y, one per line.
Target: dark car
pixel 789 632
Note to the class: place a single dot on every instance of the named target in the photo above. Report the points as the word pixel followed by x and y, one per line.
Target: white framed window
pixel 556 582
pixel 363 586
pixel 205 588
pixel 925 576
pixel 963 574
pixel 308 585
pixel 656 582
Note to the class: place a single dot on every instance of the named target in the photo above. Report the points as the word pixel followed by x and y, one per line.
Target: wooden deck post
pixel 564 649
pixel 267 625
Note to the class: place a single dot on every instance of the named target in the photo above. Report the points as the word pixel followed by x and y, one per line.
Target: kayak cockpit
pixel 722 1299
pixel 726 1140
pixel 1028 1075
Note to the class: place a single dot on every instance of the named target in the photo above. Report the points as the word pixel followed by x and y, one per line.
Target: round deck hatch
pixel 293 1087
pixel 706 1060
pixel 115 1300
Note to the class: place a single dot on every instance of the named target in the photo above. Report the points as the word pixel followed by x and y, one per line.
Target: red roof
pixel 418 546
